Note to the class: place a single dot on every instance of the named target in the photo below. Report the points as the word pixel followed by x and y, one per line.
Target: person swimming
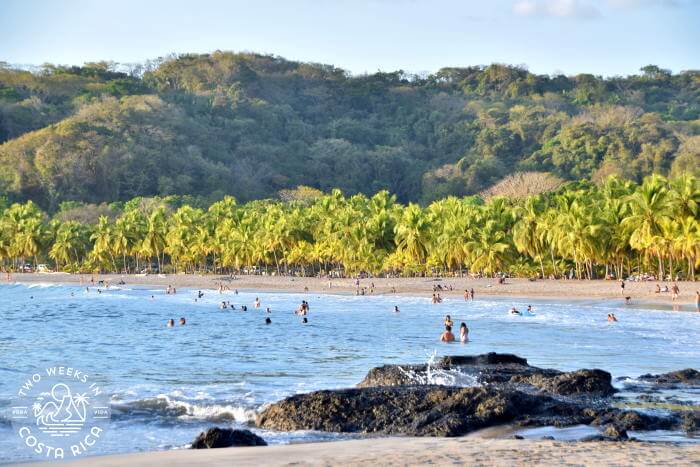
pixel 182 321
pixel 244 308
pixel 304 321
pixel 200 294
pixel 396 309
pixel 463 332
pixel 268 320
pixel 223 305
pixel 448 320
pixel 628 299
pixel 447 336
pixel 257 302
pixel 611 317
pixel 171 323
pixel 529 309
pixel 268 310
pixel 515 312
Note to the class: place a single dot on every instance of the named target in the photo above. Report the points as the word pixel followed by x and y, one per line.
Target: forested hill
pixel 251 125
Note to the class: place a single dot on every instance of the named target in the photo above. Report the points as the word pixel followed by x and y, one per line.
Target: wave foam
pixel 168 407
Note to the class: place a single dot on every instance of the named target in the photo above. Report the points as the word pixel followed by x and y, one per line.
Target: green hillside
pixel 251 125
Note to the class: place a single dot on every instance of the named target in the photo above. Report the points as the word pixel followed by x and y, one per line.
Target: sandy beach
pixel 423 286
pixel 416 451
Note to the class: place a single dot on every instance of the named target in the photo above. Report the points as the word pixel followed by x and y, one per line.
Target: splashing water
pixel 439 376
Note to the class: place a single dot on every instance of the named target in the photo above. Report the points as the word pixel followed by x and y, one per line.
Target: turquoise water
pixel 170 383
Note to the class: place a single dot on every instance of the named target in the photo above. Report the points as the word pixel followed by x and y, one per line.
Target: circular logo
pixel 59 412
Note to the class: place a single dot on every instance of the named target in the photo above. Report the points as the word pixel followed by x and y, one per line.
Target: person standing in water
pixel 448 321
pixel 447 336
pixel 697 300
pixel 182 321
pixel 622 287
pixel 396 309
pixel 171 323
pixel 463 332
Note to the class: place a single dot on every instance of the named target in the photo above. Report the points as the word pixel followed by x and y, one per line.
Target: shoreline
pixel 414 451
pixel 547 289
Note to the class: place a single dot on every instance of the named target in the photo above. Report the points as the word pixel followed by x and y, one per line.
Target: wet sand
pixel 416 451
pixel 417 286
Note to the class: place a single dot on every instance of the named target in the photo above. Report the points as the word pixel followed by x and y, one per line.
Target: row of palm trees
pixel 616 229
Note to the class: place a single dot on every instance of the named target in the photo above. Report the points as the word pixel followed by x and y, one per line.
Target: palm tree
pixel 413 234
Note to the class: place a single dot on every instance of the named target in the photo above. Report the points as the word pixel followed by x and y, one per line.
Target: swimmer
pixel 529 309
pixel 268 320
pixel 268 310
pixel 448 320
pixel 171 323
pixel 304 321
pixel 200 294
pixel 223 305
pixel 447 336
pixel 235 292
pixel 611 317
pixel 514 311
pixel 396 309
pixel 153 297
pixel 463 332
pixel 257 302
pixel 182 321
pixel 244 308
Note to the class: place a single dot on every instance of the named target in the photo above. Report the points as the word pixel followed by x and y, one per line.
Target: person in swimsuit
pixel 675 290
pixel 611 317
pixel 171 323
pixel 622 287
pixel 514 311
pixel 447 336
pixel 463 332
pixel 448 321
pixel 182 321
pixel 396 309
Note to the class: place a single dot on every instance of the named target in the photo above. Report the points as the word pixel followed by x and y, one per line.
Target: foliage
pixel 616 228
pixel 252 125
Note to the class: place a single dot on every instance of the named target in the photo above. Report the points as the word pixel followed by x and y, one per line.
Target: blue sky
pixel 607 37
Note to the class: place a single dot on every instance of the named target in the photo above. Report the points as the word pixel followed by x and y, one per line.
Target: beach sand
pixel 416 451
pixel 418 286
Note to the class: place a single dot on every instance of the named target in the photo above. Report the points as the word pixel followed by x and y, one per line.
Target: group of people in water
pixel 447 336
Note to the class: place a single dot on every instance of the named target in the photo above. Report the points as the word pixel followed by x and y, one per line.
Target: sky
pixel 604 37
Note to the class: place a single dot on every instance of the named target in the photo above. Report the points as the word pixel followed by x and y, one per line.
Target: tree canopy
pixel 250 125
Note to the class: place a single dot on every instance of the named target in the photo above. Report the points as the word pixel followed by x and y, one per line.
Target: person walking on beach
pixel 466 295
pixel 622 287
pixel 675 291
pixel 697 300
pixel 471 293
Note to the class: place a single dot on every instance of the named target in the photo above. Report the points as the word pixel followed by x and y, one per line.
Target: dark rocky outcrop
pixel 415 410
pixel 226 437
pixel 493 368
pixel 589 382
pixel 396 400
pixel 688 377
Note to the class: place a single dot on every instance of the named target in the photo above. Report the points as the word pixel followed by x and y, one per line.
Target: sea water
pixel 168 384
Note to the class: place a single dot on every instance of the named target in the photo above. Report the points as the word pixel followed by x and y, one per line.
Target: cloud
pixel 629 4
pixel 576 9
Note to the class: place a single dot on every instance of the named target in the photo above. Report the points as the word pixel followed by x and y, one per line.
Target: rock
pixel 413 410
pixel 689 377
pixel 591 382
pixel 494 368
pixel 615 433
pixel 490 358
pixel 690 421
pixel 631 420
pixel 226 437
pixel 518 437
